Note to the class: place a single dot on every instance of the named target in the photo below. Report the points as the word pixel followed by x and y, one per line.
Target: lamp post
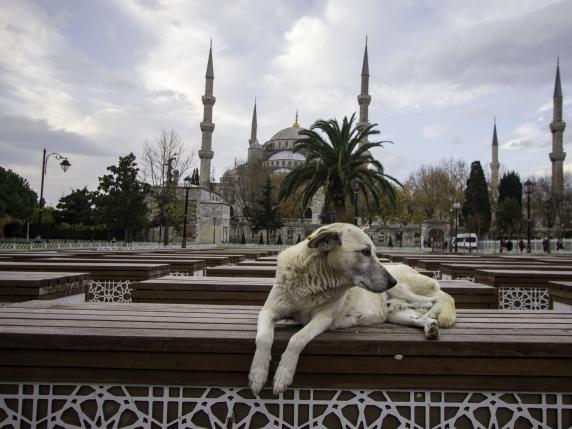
pixel 355 189
pixel 187 181
pixel 528 187
pixel 65 164
pixel 456 207
pixel 214 230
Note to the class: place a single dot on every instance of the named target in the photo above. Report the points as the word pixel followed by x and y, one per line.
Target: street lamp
pixel 187 181
pixel 456 207
pixel 355 189
pixel 214 230
pixel 528 188
pixel 65 164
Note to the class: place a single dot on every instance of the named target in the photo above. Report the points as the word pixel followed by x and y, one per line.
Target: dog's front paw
pixel 257 378
pixel 283 378
pixel 431 330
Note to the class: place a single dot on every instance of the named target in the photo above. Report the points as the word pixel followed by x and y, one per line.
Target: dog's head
pixel 351 254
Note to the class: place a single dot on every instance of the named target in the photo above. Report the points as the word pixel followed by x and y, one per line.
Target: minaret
pixel 364 98
pixel 253 127
pixel 207 126
pixel 495 165
pixel 255 150
pixel 557 126
pixel 494 177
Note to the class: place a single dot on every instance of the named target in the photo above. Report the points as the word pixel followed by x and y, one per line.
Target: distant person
pixel 546 245
pixel 559 245
pixel 521 245
pixel 502 244
pixel 509 245
pixel 445 244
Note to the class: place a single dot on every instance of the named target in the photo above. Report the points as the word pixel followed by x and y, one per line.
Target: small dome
pixel 282 171
pixel 287 155
pixel 228 173
pixel 256 145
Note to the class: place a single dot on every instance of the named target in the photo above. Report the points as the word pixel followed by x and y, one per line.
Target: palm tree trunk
pixel 340 209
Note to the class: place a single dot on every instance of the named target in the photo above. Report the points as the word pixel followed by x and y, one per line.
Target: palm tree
pixel 340 165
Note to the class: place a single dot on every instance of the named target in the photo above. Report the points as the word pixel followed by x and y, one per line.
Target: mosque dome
pixel 284 160
pixel 290 133
pixel 285 138
pixel 287 156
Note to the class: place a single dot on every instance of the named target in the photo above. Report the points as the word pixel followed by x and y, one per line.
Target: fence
pixel 493 246
pixel 30 246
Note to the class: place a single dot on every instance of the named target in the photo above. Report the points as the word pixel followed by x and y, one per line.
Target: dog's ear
pixel 324 241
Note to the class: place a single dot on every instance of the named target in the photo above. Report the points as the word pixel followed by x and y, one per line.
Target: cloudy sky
pixel 95 79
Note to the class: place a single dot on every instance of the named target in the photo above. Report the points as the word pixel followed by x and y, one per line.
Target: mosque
pixel 219 209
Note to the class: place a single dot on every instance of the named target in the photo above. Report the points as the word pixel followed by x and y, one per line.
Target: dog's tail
pixel 444 310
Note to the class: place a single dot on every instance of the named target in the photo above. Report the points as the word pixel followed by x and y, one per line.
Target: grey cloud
pixel 515 51
pixel 519 144
pixel 30 134
pixel 149 4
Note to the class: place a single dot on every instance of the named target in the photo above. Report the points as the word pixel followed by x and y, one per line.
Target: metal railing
pixel 80 245
pixel 493 246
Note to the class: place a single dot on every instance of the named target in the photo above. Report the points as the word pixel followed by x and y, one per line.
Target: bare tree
pixel 165 161
pixel 566 206
pixel 432 189
pixel 544 206
pixel 248 186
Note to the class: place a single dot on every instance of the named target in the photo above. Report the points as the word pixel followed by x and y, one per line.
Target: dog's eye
pixel 366 252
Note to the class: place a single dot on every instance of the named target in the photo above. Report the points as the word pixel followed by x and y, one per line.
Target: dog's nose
pixel 391 282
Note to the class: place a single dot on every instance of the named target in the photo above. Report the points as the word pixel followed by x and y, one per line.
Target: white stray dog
pixel 314 285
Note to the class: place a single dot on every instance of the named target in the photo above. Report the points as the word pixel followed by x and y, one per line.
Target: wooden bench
pixel 520 288
pixel 98 271
pixel 24 256
pixel 436 264
pixel 413 260
pixel 561 294
pixel 187 365
pixel 254 290
pixel 242 271
pixel 185 267
pixel 211 260
pixel 533 278
pixel 257 263
pixel 267 258
pixel 109 280
pixel 245 253
pixel 18 286
pixel 462 270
